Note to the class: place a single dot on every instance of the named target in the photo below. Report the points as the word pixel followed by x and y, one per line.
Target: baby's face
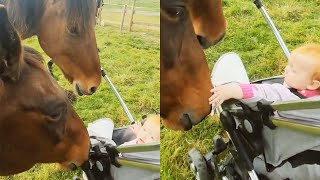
pixel 298 72
pixel 149 132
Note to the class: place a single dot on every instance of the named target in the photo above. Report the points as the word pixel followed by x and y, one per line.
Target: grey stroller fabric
pixel 282 143
pixel 286 171
pixel 120 136
pixel 310 115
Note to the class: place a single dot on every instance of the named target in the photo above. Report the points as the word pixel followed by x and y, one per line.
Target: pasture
pixel 249 35
pixel 131 61
pixel 146 12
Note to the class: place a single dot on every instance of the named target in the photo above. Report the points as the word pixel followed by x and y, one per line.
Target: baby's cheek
pixel 141 135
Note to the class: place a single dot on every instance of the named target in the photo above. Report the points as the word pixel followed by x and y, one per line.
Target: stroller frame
pixel 244 126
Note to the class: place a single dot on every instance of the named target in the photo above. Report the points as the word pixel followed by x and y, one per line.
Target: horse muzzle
pixel 80 91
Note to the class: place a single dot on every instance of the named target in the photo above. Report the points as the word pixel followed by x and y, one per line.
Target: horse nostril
pixel 73 167
pixel 93 89
pixel 186 121
pixel 202 40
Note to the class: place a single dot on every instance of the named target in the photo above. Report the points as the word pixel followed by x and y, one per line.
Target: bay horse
pixel 65 30
pixel 37 122
pixel 184 74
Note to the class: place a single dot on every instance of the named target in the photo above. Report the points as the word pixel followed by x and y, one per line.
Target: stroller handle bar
pixel 264 12
pixel 296 105
pixel 137 164
pixel 104 75
pixel 139 148
pixel 305 127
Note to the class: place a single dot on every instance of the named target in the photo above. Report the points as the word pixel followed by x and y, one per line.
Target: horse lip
pixel 78 90
pixel 187 122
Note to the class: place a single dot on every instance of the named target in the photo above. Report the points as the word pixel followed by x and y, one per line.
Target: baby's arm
pixel 269 92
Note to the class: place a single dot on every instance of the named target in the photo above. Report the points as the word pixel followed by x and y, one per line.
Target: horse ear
pixel 10 49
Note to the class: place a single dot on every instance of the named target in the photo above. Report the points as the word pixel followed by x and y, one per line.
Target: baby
pixel 149 132
pixel 301 76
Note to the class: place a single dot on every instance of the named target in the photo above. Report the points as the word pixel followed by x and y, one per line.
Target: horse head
pixel 65 31
pixel 37 122
pixel 185 79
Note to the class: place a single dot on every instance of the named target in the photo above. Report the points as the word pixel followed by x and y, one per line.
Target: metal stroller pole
pixel 284 48
pixel 104 75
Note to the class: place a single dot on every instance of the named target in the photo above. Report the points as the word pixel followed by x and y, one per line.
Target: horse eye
pixel 73 31
pixel 56 112
pixel 55 116
pixel 176 12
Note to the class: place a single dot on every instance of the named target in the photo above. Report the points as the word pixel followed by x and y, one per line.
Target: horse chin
pixel 176 125
pixel 205 43
pixel 68 166
pixel 173 125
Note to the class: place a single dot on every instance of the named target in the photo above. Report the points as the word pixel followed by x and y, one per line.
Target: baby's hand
pixel 136 127
pixel 225 92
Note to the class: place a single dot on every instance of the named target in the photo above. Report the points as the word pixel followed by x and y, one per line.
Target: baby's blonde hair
pixel 313 50
pixel 153 118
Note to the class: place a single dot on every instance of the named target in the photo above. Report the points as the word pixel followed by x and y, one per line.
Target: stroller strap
pixel 295 92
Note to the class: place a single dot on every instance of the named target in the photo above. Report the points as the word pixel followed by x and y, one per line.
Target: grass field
pixel 146 12
pixel 131 61
pixel 145 4
pixel 248 35
pixel 114 19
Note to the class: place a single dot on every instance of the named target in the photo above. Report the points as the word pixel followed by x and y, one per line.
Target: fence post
pixel 132 12
pixel 124 10
pixel 100 11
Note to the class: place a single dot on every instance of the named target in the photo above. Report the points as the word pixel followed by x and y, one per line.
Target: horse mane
pixel 31 56
pixel 80 13
pixel 25 15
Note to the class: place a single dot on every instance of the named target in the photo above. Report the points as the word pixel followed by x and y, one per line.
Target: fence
pixel 130 12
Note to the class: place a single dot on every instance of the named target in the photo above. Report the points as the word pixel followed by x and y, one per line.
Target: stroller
pixel 244 152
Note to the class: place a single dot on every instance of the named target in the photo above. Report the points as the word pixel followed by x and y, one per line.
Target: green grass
pixel 248 35
pixel 131 61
